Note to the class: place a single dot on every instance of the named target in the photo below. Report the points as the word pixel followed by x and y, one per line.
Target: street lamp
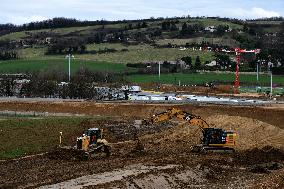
pixel 257 70
pixel 159 70
pixel 69 56
pixel 271 84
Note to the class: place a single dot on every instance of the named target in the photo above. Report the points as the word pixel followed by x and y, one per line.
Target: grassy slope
pixel 88 29
pixel 13 36
pixel 60 31
pixel 144 53
pixel 135 54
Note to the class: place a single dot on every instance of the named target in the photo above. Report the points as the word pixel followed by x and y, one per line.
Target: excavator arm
pixel 164 116
pixel 179 114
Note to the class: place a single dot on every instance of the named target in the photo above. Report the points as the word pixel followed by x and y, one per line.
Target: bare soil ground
pixel 272 114
pixel 167 161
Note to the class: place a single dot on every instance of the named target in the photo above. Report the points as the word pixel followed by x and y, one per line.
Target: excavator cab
pixel 218 136
pixel 215 139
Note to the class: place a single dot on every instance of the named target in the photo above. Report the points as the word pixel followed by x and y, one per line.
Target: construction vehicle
pixel 90 145
pixel 214 139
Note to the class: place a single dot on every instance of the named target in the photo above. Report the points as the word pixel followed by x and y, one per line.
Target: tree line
pixel 81 86
pixel 62 22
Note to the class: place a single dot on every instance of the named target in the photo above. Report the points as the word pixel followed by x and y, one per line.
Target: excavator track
pixel 206 149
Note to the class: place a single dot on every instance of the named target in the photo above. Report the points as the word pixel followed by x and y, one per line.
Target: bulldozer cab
pixel 94 134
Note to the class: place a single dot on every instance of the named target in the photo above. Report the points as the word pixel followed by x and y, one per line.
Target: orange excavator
pixel 214 139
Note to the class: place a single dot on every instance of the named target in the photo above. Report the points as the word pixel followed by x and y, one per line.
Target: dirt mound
pixel 272 181
pixel 176 139
pixel 252 133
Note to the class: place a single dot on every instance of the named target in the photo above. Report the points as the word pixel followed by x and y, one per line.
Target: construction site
pixel 157 154
pixel 142 94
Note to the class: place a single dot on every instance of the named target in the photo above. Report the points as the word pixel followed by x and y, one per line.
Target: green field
pixel 200 78
pixel 60 65
pixel 23 136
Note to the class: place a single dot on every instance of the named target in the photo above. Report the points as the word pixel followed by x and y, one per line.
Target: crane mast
pixel 238 52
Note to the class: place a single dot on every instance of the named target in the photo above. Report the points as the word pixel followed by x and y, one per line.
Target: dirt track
pixel 167 161
pixel 271 115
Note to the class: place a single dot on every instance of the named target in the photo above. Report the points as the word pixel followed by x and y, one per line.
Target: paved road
pixel 192 99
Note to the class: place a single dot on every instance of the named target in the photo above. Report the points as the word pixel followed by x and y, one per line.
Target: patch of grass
pixel 60 31
pixel 29 53
pixel 273 29
pixel 13 36
pixel 198 40
pixel 26 65
pixel 214 22
pixel 12 153
pixel 23 136
pixel 96 47
pixel 200 78
pixel 146 53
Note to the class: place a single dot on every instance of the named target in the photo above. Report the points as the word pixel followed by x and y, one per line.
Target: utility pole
pixel 159 70
pixel 257 71
pixel 69 56
pixel 271 84
pixel 69 67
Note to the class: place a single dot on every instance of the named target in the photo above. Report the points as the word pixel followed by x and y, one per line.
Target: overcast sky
pixel 24 11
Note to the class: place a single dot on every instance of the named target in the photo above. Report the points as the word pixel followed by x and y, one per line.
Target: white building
pixel 210 29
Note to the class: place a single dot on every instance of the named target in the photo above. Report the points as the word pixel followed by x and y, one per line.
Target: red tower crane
pixel 238 52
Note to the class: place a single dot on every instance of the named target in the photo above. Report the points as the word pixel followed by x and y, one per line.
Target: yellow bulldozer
pixel 90 145
pixel 214 139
